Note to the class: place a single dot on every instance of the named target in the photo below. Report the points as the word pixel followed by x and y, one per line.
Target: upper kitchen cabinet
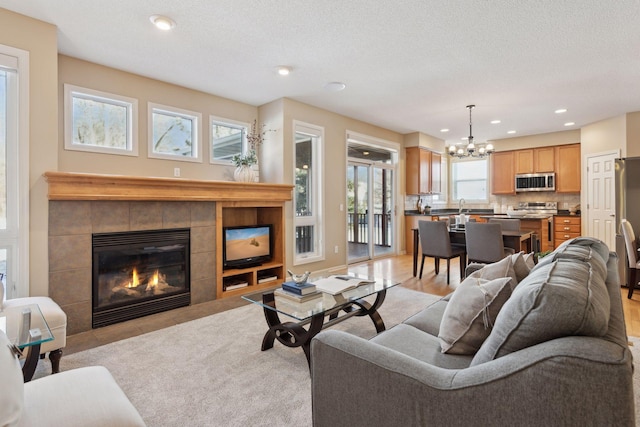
pixel 423 171
pixel 567 168
pixel 503 173
pixel 535 160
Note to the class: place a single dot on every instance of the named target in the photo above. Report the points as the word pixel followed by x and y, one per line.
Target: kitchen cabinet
pixel 539 226
pixel 503 172
pixel 423 168
pixel 567 158
pixel 535 160
pixel 565 228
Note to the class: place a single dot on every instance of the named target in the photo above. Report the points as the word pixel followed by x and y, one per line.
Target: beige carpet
pixel 211 372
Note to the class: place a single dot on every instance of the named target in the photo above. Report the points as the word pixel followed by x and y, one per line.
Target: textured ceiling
pixel 409 66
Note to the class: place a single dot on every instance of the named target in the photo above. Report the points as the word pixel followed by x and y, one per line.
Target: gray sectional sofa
pixel 547 345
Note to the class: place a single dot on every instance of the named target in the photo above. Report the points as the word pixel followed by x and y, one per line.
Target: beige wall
pixel 97 77
pixel 633 135
pixel 419 139
pixel 40 40
pixel 335 160
pixel 541 140
pixel 603 136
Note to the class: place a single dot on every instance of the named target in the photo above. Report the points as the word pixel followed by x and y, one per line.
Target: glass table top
pixel 25 326
pixel 322 304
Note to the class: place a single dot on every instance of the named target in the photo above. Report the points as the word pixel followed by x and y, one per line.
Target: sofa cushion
pixel 12 389
pixel 562 297
pixel 469 316
pixel 520 266
pixel 428 320
pixel 419 345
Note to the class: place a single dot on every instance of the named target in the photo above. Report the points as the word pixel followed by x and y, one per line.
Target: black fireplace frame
pixel 103 316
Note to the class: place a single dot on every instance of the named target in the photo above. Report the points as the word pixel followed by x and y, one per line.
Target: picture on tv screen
pixel 247 242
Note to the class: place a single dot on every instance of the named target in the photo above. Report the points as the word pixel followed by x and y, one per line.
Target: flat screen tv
pixel 246 246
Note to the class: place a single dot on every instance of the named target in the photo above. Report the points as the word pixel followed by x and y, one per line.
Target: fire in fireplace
pixel 139 273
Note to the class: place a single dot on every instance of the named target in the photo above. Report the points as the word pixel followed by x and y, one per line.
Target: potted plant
pixel 244 161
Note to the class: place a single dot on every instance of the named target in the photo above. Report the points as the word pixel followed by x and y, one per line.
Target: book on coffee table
pixel 297 298
pixel 338 284
pixel 300 289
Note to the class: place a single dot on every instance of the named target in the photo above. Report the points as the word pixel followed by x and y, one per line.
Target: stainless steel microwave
pixel 535 182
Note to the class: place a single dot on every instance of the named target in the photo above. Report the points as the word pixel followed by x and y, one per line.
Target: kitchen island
pixel 540 224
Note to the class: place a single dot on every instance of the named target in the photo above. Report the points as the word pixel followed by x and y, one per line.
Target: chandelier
pixel 470 150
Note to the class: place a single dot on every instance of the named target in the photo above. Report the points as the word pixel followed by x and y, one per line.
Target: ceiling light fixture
pixel 335 86
pixel 560 111
pixel 470 151
pixel 495 122
pixel 510 132
pixel 444 130
pixel 569 123
pixel 162 22
pixel 284 70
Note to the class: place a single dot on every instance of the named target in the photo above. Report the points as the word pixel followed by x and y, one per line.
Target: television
pixel 246 246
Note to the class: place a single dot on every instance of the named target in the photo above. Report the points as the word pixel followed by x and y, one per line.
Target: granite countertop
pixel 451 211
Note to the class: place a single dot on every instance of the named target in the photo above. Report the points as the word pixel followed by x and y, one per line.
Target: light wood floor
pixel 398 268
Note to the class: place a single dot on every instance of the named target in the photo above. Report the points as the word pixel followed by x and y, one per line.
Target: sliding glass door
pixel 370 204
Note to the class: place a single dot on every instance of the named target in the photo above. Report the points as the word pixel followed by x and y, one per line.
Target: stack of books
pixel 299 293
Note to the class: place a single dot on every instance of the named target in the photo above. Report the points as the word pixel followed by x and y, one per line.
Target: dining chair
pixel 484 242
pixel 436 243
pixel 511 224
pixel 632 254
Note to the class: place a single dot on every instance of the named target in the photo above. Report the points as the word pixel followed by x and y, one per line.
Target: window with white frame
pixel 100 122
pixel 228 138
pixel 174 133
pixel 469 179
pixel 307 193
pixel 14 172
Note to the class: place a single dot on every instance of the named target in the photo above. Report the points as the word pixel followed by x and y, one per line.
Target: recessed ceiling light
pixel 569 123
pixel 560 111
pixel 162 22
pixel 283 70
pixel 444 130
pixel 495 122
pixel 511 132
pixel 335 86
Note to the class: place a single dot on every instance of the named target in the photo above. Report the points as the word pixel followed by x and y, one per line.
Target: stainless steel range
pixel 539 209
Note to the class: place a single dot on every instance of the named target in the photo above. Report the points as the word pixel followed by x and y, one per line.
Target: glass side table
pixel 27 329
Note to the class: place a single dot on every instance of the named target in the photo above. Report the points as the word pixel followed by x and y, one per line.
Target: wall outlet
pixel 336 249
pixel 176 172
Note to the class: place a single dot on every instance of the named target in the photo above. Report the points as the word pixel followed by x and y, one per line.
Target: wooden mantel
pixel 81 186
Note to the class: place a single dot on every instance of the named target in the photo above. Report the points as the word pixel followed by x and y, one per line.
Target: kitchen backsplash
pixel 565 201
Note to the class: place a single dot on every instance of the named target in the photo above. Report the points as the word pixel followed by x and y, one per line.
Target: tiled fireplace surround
pixel 72 223
pixel 82 204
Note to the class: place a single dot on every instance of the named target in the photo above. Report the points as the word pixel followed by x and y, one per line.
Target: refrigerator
pixel 627 174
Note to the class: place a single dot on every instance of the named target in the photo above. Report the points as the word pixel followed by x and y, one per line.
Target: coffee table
pixel 26 328
pixel 318 314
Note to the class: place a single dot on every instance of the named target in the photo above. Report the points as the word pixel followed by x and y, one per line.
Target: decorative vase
pixel 244 174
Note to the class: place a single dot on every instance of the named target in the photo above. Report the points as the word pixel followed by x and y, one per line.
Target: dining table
pixel 519 240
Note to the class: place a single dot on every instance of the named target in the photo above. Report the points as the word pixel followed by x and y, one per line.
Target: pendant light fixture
pixel 471 150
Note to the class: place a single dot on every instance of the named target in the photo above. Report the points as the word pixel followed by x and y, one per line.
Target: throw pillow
pixel 520 266
pixel 502 268
pixel 560 298
pixel 530 260
pixel 471 312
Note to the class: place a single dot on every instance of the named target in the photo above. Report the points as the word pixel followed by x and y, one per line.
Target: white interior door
pixel 600 214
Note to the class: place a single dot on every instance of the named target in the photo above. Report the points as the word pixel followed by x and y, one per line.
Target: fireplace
pixel 139 273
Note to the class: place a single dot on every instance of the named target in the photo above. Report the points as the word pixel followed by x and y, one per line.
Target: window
pixel 228 138
pixel 307 191
pixel 100 122
pixel 14 171
pixel 174 133
pixel 469 179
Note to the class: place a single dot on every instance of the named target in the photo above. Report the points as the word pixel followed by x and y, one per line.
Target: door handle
pixel 612 214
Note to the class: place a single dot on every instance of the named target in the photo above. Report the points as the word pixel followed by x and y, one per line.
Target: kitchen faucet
pixel 460 205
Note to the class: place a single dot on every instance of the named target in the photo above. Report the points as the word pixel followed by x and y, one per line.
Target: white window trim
pixel 19 60
pixel 196 120
pixel 318 200
pixel 231 123
pixel 451 187
pixel 131 104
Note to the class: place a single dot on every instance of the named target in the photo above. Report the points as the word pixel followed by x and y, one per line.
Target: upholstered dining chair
pixel 484 242
pixel 436 243
pixel 512 224
pixel 631 244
